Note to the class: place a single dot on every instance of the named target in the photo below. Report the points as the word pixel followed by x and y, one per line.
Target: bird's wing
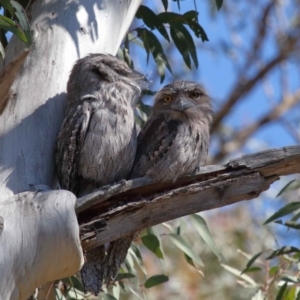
pixel 69 143
pixel 154 141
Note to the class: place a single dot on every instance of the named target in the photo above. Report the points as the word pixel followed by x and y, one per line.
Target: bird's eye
pixel 167 99
pixel 194 94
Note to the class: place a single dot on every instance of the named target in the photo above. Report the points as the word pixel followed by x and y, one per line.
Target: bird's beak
pixel 181 104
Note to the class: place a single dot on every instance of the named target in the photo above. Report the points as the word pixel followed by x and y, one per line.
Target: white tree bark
pixel 63 31
pixel 36 246
pixel 39 241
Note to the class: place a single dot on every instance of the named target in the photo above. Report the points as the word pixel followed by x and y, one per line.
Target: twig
pixel 240 137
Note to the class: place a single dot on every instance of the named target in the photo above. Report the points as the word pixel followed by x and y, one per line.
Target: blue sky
pixel 217 74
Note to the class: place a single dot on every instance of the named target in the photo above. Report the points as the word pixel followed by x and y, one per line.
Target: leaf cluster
pixel 133 277
pixel 15 21
pixel 281 266
pixel 177 28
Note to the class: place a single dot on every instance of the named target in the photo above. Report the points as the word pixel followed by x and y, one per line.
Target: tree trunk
pixel 32 231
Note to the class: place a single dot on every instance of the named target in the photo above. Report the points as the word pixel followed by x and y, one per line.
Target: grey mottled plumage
pixel 175 139
pixel 173 142
pixel 97 141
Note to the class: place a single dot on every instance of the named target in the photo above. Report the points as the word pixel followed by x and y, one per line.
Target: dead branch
pixel 136 204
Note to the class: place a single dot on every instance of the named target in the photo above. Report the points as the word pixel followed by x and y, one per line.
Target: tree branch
pixel 132 205
pixel 240 137
pixel 244 85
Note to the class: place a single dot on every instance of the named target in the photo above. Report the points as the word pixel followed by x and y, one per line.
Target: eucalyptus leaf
pixel 281 292
pixel 152 20
pixel 183 245
pixel 9 25
pixel 219 3
pixel 7 5
pixel 122 276
pixel 202 228
pixel 287 209
pixel 152 243
pixel 282 251
pixel 153 46
pixel 165 4
pixel 109 297
pixel 155 280
pixel 290 186
pixel 180 42
pixel 289 224
pixel 23 21
pixel 251 261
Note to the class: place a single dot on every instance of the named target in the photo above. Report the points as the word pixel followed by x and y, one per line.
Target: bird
pixel 173 143
pixel 96 144
pixel 175 139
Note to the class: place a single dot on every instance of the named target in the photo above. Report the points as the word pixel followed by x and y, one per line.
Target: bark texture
pixel 33 238
pixel 130 206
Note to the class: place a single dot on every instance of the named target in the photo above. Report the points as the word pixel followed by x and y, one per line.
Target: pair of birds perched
pixel 98 144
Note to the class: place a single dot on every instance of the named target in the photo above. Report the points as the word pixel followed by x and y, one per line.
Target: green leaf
pixel 116 290
pixel 287 209
pixel 122 276
pixel 238 273
pixel 122 285
pixel 282 251
pixel 178 3
pixel 189 260
pixel 152 20
pixel 291 186
pixel 295 217
pixel 74 282
pixel 7 5
pixel 186 248
pixel 9 25
pixel 152 243
pixel 133 39
pixel 180 42
pixel 23 21
pixel 134 292
pixel 281 292
pixel 251 261
pixel 189 18
pixel 288 279
pixel 172 18
pixel 219 3
pixel 153 46
pixel 252 270
pixel 135 254
pixel 202 228
pixel 273 270
pixel 289 224
pixel 129 262
pixel 165 4
pixel 136 251
pixel 155 280
pixel 109 297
